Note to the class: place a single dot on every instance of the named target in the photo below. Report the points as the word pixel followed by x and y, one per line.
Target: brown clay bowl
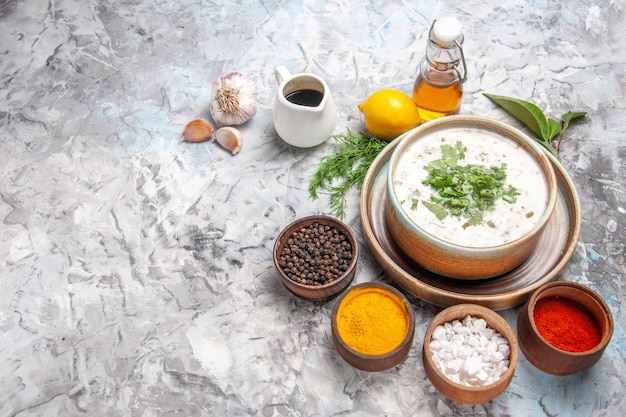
pixel 380 361
pixel 459 392
pixel 545 356
pixel 449 256
pixel 317 292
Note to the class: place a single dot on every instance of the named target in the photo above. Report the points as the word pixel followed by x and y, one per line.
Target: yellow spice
pixel 372 321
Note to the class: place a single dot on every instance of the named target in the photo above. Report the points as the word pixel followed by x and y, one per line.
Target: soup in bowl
pixel 468 196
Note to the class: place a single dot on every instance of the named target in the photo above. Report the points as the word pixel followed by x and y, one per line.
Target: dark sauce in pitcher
pixel 309 98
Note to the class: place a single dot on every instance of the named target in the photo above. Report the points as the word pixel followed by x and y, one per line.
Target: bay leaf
pixel 527 113
pixel 546 144
pixel 555 128
pixel 572 116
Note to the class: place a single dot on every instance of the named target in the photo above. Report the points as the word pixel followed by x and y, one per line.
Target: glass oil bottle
pixel 438 88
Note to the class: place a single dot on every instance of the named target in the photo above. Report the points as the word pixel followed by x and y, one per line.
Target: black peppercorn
pixel 316 255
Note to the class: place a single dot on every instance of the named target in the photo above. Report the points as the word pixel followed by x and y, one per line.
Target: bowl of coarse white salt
pixel 470 353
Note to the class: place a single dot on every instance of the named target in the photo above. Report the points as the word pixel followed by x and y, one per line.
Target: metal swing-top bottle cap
pixel 446 31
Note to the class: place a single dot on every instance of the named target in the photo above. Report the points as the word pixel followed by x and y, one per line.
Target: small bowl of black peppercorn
pixel 316 257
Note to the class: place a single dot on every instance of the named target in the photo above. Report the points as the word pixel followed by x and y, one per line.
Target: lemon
pixel 389 113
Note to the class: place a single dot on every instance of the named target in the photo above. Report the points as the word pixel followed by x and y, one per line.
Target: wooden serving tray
pixel 553 252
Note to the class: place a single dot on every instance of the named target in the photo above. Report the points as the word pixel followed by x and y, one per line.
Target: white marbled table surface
pixel 136 276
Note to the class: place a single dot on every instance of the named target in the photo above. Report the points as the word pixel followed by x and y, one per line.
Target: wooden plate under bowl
pixel 554 250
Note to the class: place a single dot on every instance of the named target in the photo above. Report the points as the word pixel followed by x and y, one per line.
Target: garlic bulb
pixel 230 138
pixel 197 130
pixel 234 99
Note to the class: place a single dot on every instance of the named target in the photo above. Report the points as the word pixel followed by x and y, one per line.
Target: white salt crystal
pixel 482 376
pixel 471 366
pixel 439 333
pixel 453 349
pixel 435 346
pixel 437 361
pixel 501 368
pixel 480 324
pixel 470 353
pixel 455 378
pixel 486 332
pixel 464 351
pixel 463 331
pixel 452 367
pixel 493 357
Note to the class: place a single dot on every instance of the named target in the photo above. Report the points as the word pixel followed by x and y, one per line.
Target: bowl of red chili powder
pixel 564 328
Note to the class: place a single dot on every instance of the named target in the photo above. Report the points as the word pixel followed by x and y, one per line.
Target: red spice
pixel 566 324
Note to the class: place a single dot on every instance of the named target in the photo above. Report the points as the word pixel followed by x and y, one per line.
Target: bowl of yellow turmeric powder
pixel 373 325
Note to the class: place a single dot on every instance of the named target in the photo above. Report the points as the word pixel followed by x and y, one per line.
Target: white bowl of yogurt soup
pixel 468 196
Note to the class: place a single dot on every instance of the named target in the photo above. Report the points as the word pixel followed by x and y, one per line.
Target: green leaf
pixel 546 144
pixel 555 128
pixel 527 113
pixel 475 217
pixel 573 115
pixel 436 209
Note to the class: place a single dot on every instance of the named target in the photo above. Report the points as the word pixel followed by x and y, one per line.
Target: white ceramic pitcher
pixel 304 109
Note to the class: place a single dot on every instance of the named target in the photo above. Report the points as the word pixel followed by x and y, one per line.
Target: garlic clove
pixel 230 138
pixel 197 130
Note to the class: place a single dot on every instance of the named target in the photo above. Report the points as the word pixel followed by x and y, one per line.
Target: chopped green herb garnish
pixel 465 190
pixel 437 209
